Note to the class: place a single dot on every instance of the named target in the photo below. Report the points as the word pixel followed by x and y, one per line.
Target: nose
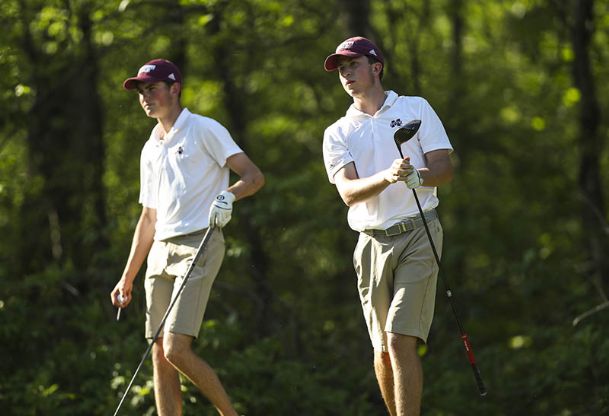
pixel 145 94
pixel 344 72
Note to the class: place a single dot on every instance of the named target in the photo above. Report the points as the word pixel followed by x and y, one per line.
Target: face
pixel 157 98
pixel 357 75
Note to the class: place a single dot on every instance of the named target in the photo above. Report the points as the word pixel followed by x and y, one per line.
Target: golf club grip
pixel 481 387
pixel 472 360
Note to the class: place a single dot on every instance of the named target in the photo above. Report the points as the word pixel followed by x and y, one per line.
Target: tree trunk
pixel 591 145
pixel 357 12
pixel 236 109
pixel 64 220
pixel 456 125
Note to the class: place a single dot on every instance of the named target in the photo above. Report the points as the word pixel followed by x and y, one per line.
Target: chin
pixel 349 91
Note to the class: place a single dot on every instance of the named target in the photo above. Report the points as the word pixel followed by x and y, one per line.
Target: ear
pixel 175 88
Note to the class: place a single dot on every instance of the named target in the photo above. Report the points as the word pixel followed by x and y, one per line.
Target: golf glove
pixel 414 180
pixel 221 209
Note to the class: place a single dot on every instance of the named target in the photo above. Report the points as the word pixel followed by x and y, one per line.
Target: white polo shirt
pixel 367 141
pixel 181 175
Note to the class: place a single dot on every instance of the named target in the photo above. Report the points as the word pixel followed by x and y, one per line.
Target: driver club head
pixel 406 132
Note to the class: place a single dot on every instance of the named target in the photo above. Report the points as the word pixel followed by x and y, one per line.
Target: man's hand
pixel 400 170
pixel 221 209
pixel 121 294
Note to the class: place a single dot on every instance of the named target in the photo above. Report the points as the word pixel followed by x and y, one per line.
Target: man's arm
pixel 140 246
pixel 439 169
pixel 249 182
pixel 250 179
pixel 353 189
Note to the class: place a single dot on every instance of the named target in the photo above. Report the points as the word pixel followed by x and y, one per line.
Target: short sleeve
pixel 335 152
pixel 217 141
pixel 432 134
pixel 147 181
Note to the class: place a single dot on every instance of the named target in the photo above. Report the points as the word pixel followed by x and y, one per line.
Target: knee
pixel 158 354
pixel 174 352
pixel 398 343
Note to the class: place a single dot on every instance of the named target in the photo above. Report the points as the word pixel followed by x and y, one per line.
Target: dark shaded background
pixel 522 88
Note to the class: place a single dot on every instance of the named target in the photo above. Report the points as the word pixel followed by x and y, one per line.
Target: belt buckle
pixel 400 228
pixel 389 232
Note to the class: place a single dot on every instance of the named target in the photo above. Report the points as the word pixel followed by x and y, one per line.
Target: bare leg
pixel 407 374
pixel 166 383
pixel 384 376
pixel 178 352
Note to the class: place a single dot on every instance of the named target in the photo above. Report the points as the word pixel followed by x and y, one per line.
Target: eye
pixel 345 66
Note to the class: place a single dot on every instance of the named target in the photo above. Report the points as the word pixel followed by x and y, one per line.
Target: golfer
pixel 184 189
pixel 393 259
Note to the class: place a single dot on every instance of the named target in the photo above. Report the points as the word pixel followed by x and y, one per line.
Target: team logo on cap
pixel 146 68
pixel 345 45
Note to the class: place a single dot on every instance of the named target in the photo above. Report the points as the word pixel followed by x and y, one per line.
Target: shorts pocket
pixel 157 259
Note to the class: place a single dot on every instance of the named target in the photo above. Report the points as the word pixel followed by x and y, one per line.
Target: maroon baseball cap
pixel 155 71
pixel 352 48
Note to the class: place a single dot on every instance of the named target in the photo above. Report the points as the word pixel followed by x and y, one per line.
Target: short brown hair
pixel 373 60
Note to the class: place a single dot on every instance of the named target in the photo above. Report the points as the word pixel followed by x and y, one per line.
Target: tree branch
pixel 590 312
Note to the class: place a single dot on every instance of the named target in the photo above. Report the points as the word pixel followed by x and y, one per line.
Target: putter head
pixel 406 132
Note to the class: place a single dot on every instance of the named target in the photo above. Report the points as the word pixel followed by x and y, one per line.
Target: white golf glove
pixel 414 180
pixel 221 209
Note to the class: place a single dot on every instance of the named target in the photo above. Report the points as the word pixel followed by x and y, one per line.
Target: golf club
pixel 401 136
pixel 191 267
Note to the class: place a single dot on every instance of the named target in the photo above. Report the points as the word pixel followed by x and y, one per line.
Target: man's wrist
pixel 388 177
pixel 226 196
pixel 128 278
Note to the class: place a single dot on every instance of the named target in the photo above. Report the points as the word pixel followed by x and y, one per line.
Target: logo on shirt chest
pixel 396 122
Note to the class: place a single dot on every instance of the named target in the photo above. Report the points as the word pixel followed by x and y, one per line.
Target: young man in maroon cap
pixel 184 189
pixel 393 259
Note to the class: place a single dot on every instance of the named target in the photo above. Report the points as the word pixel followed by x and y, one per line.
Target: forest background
pixel 522 87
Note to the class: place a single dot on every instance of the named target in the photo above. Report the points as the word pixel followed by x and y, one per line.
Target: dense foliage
pixel 523 89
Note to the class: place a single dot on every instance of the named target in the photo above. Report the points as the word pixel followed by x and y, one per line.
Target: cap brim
pixel 331 62
pixel 131 83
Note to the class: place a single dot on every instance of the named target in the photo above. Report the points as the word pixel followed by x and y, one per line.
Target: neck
pixel 370 101
pixel 167 121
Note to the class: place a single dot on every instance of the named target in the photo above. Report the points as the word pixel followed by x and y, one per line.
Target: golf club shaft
pixel 191 267
pixel 464 337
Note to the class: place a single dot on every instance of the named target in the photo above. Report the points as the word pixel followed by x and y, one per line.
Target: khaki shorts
pixel 168 261
pixel 397 278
